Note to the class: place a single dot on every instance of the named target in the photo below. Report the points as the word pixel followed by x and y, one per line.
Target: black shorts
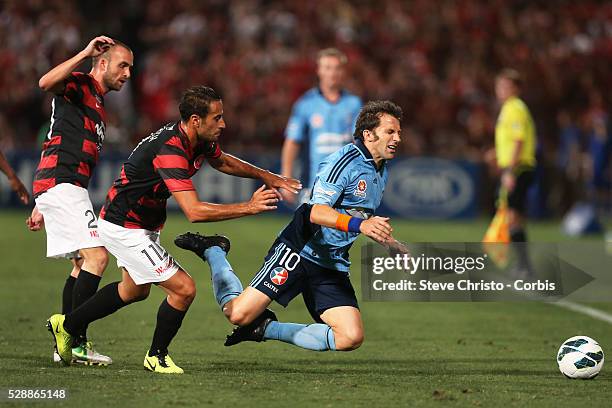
pixel 517 199
pixel 285 274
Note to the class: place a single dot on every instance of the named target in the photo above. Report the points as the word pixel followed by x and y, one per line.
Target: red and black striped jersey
pixel 162 163
pixel 75 136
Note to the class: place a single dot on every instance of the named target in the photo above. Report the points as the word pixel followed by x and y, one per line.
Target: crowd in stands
pixel 437 59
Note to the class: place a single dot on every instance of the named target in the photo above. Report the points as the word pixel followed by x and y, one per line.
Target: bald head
pixel 112 68
pixel 110 51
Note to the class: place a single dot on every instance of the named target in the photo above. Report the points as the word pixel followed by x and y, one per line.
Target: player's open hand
pixel 377 228
pixel 98 46
pixel 35 221
pixel 20 189
pixel 288 185
pixel 262 200
pixel 395 247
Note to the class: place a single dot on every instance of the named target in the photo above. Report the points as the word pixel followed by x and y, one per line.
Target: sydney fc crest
pixel 362 186
pixel 316 121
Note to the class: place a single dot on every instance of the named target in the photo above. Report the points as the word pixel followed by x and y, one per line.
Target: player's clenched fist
pixel 98 46
pixel 35 221
pixel 377 228
pixel 262 200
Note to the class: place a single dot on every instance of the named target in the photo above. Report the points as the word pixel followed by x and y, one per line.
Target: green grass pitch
pixel 415 354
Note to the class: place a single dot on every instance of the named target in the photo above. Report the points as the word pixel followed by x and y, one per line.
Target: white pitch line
pixel 586 310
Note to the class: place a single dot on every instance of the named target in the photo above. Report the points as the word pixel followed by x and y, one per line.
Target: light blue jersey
pixel 322 126
pixel 349 182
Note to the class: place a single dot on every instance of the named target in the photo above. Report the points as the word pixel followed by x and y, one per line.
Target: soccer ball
pixel 580 357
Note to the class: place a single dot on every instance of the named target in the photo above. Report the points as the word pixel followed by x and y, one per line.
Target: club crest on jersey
pixel 279 275
pixel 197 162
pixel 362 186
pixel 316 120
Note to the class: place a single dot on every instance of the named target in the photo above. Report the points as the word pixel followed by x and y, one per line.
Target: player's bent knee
pixel 187 292
pixel 237 317
pixel 97 260
pixel 136 294
pixel 240 316
pixel 348 341
pixel 102 260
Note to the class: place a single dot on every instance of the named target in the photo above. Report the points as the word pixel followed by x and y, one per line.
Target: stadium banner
pixel 431 188
pixel 467 272
pixel 417 188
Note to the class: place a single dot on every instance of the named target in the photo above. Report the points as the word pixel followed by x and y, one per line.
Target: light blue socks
pixel 317 337
pixel 226 284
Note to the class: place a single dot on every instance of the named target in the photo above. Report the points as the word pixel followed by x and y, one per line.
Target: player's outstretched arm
pixel 377 228
pixel 14 181
pixel 199 211
pixel 290 151
pixel 229 164
pixel 53 81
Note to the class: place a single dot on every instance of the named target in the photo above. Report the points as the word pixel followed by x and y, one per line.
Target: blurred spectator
pixel 439 57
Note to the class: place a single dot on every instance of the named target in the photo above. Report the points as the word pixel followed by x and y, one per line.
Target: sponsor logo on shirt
pixel 279 275
pixel 270 286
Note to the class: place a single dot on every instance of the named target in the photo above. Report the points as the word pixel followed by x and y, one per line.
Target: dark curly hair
pixel 369 116
pixel 196 100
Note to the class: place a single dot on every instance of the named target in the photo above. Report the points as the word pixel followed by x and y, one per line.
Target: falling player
pixel 310 255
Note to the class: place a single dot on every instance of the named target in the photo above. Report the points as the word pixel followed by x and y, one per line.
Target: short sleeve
pixel 328 188
pixel 172 165
pixel 73 88
pixel 298 124
pixel 516 120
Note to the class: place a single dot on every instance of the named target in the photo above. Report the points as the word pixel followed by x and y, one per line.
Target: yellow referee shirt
pixel 515 124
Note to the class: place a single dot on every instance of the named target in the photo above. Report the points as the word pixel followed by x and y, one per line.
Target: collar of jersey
pixel 96 84
pixel 183 136
pixel 342 93
pixel 365 153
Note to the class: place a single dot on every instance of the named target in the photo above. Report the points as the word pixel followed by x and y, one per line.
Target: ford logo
pixel 430 188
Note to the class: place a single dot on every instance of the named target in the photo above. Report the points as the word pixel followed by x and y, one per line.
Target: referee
pixel 515 141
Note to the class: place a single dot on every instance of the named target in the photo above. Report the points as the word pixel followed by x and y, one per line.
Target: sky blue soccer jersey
pixel 321 126
pixel 349 182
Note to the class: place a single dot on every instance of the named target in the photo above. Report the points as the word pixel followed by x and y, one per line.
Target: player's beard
pixel 209 137
pixel 110 83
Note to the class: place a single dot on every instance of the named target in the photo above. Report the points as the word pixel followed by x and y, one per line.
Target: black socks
pixel 105 302
pixel 67 295
pixel 85 287
pixel 169 321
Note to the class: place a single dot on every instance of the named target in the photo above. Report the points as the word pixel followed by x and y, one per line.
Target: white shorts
pixel 139 252
pixel 70 221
